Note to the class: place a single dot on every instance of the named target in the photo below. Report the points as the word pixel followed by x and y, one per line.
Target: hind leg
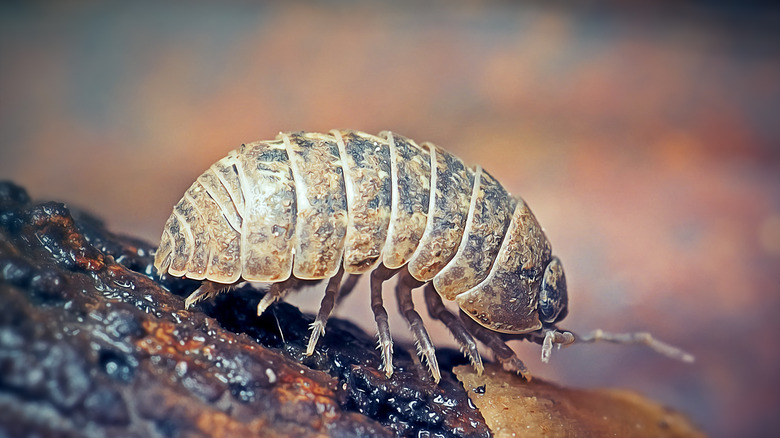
pixel 276 293
pixel 207 290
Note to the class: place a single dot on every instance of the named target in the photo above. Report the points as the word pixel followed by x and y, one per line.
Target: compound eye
pixel 547 308
pixel 553 297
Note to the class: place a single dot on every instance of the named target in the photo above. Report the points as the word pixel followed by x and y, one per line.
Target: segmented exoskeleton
pixel 311 206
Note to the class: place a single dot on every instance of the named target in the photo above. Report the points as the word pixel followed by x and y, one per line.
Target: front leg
pixel 501 351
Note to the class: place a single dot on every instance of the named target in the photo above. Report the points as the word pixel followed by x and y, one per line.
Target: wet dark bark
pixel 94 343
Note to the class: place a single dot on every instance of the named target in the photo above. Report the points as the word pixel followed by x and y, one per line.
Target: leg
pixel 403 291
pixel 464 339
pixel 208 289
pixel 276 293
pixel 347 287
pixel 493 340
pixel 379 276
pixel 637 338
pixel 554 337
pixel 326 307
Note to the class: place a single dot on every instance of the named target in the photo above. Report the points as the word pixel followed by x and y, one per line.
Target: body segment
pixel 265 199
pixel 411 187
pixel 368 186
pixel 451 189
pixel 322 204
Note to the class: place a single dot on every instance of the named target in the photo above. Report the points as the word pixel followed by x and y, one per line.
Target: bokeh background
pixel 644 135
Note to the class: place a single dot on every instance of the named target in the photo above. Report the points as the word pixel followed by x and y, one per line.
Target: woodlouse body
pixel 310 206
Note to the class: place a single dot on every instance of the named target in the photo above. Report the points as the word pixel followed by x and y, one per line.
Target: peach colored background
pixel 645 138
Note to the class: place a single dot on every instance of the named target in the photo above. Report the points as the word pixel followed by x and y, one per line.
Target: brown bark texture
pixel 94 343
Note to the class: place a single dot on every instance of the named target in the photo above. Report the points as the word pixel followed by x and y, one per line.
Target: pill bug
pixel 313 206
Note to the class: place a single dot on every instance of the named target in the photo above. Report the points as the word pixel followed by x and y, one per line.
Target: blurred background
pixel 643 134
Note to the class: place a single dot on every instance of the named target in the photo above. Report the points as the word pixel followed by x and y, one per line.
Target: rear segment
pixel 197 241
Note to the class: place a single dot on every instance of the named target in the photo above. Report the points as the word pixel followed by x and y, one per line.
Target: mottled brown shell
pixel 307 204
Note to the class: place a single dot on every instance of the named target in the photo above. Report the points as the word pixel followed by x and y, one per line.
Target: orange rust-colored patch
pixel 302 390
pixel 220 425
pixel 164 339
